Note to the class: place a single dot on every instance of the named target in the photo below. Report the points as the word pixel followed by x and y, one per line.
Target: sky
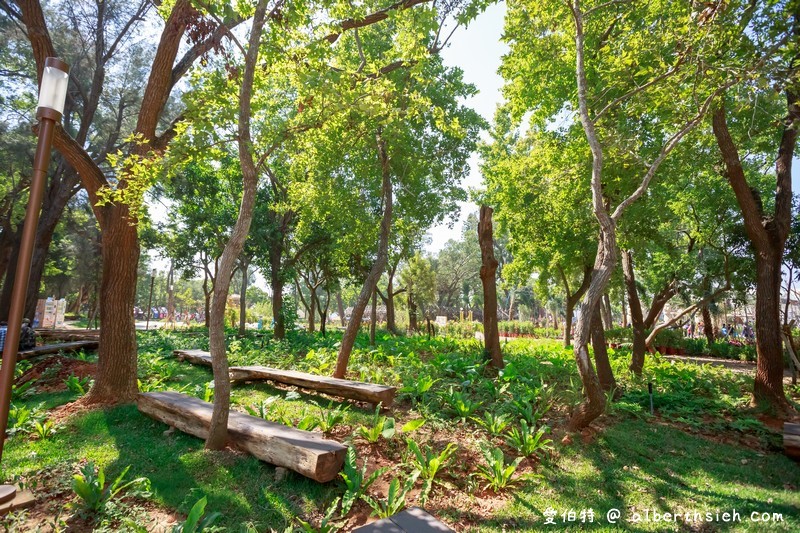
pixel 477 50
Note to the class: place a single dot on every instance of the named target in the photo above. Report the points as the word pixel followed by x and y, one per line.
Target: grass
pixel 671 462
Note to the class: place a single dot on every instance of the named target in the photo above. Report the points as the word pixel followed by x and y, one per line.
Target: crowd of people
pixel 727 331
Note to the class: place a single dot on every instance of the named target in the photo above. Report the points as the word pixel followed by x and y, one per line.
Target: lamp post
pixel 150 301
pixel 52 94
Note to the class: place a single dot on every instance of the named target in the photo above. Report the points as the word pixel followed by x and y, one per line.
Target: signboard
pixel 61 308
pixel 441 321
pixel 49 318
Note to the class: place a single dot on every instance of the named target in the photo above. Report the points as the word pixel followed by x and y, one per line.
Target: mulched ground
pixel 51 372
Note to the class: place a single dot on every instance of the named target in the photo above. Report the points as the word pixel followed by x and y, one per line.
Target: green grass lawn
pixel 687 458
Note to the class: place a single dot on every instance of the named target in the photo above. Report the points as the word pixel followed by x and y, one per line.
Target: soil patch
pixel 51 372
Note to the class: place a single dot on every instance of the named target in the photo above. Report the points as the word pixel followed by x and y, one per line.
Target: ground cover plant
pixel 501 466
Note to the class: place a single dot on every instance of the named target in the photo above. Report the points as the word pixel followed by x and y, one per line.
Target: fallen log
pixel 196 357
pixel 791 440
pixel 343 388
pixel 305 452
pixel 65 347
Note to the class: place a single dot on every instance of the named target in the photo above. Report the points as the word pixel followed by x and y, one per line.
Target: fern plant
pixel 428 463
pixel 356 480
pixel 527 441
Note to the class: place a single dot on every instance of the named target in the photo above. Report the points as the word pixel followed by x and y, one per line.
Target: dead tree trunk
pixel 489 281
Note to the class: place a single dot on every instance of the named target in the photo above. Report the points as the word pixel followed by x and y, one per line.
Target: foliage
pixel 428 463
pixel 356 480
pixel 382 426
pixel 527 440
pixel 496 473
pixel 197 520
pixel 90 486
pixel 395 499
pixel 79 386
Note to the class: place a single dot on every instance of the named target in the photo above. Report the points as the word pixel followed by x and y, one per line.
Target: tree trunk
pixel 788 298
pixel 768 386
pixel 572 300
pixel 637 319
pixel 624 310
pixel 276 284
pixel 604 372
pixel 389 301
pixel 595 400
pixel 488 279
pixel 340 306
pixel 312 309
pixel 708 325
pixel 768 236
pixel 243 299
pixel 116 379
pixel 412 314
pixel 218 430
pixel 373 318
pixel 349 337
pixel 323 311
pixel 207 292
pixel 605 310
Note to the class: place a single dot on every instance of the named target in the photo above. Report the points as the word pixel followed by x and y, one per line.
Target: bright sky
pixel 477 50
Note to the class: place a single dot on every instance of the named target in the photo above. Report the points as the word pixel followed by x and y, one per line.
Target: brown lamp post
pixel 52 93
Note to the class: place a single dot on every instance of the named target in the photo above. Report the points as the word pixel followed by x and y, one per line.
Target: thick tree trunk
pixel 768 386
pixel 116 380
pixel 637 319
pixel 489 281
pixel 349 337
pixel 243 299
pixel 604 372
pixel 708 325
pixel 340 307
pixel 768 236
pixel 373 318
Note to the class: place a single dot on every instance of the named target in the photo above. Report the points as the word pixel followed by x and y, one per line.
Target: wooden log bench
pixel 413 520
pixel 343 388
pixel 791 440
pixel 65 347
pixel 305 452
pixel 196 357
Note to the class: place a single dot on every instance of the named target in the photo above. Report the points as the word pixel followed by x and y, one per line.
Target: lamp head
pixel 53 90
pixel 154 272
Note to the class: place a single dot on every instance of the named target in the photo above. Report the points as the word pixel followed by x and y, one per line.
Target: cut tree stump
pixel 791 440
pixel 413 520
pixel 305 452
pixel 66 347
pixel 353 390
pixel 196 357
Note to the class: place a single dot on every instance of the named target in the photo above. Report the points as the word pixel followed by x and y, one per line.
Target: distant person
pixel 724 330
pixel 3 331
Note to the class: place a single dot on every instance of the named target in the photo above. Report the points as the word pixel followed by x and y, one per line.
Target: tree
pixel 420 280
pixel 573 57
pixel 116 200
pixel 488 272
